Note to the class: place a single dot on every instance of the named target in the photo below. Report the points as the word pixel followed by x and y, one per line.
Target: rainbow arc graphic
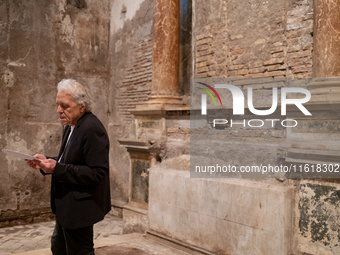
pixel 209 93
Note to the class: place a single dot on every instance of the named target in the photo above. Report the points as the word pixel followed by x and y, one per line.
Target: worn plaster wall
pixel 41 43
pixel 131 75
pixel 130 84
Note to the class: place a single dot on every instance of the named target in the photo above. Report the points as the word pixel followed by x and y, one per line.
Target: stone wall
pixel 317 216
pixel 43 42
pixel 220 215
pixel 130 85
pixel 106 45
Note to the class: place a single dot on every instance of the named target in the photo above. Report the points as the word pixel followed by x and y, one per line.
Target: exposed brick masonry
pixel 290 46
pixel 136 83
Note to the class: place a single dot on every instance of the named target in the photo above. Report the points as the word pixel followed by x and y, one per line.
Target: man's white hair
pixel 77 91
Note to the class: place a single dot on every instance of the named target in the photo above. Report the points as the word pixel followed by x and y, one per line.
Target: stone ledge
pixel 136 207
pixel 11 218
pixel 177 244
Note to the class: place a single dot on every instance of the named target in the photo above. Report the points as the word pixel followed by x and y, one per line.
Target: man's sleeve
pixel 96 155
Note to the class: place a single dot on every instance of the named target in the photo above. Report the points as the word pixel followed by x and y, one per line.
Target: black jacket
pixel 80 192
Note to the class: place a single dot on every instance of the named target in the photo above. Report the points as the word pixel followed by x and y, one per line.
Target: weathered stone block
pixel 257 70
pixel 317 213
pixel 237 52
pixel 302 69
pixel 274 61
pixel 301 54
pixel 277 49
pixel 242 72
pixel 135 219
pixel 211 73
pixel 235 67
pixel 215 213
pixel 278 55
pixel 275 67
pixel 203 36
pixel 202 75
pixel 204 41
pixel 293 48
pixel 202 70
pixel 260 41
pixel 267 74
pixel 204 58
pixel 236 37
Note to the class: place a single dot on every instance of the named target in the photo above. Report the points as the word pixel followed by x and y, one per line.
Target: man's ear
pixel 82 109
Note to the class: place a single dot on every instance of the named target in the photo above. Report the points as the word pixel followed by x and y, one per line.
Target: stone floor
pixel 34 239
pixel 37 236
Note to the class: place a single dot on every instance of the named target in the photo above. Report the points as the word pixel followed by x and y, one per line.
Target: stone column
pixel 165 49
pixel 326 38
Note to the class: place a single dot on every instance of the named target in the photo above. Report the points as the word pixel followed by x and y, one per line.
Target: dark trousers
pixel 72 241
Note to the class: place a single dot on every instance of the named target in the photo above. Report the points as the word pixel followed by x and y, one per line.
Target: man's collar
pixel 82 118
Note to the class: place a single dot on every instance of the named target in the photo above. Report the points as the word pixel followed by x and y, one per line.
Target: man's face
pixel 69 111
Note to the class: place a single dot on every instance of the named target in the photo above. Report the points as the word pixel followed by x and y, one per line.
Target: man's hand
pixel 35 163
pixel 47 165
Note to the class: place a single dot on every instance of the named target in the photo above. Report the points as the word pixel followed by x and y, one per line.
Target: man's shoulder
pixel 91 122
pixel 89 117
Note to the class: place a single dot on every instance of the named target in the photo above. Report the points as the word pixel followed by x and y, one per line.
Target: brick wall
pixel 282 49
pixel 136 83
pixel 299 40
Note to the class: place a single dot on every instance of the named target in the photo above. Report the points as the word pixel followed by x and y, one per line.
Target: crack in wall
pixel 20 60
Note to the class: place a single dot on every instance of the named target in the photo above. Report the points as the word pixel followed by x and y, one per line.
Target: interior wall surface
pixel 107 45
pixel 130 83
pixel 268 40
pixel 253 39
pixel 41 43
pixel 223 216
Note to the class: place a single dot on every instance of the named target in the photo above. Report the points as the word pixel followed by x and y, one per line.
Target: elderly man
pixel 80 193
